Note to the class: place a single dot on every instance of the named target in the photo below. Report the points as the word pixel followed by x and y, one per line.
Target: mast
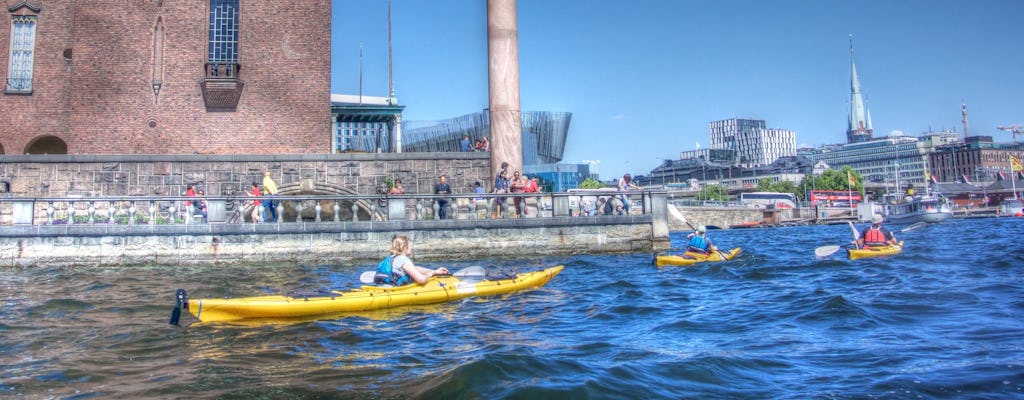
pixel 963 112
pixel 360 72
pixel 391 79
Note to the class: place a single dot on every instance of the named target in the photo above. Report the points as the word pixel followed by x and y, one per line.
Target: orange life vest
pixel 875 237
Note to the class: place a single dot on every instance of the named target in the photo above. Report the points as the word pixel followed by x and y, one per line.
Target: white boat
pixel 1010 207
pixel 930 208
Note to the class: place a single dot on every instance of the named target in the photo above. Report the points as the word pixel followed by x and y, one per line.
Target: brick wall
pixel 102 101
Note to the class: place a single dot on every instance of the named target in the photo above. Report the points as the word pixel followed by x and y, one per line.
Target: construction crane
pixel 1014 129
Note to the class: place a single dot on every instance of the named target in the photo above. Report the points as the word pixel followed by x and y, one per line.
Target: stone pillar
pixel 503 85
pixel 396 140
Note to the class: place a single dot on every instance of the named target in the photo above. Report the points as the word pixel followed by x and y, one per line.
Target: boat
pixel 930 208
pixel 1011 207
pixel 879 251
pixel 334 303
pixel 690 258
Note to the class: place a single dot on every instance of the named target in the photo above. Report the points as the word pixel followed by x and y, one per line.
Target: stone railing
pixel 178 210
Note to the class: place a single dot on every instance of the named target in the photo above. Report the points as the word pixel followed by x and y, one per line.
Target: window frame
pixel 21 54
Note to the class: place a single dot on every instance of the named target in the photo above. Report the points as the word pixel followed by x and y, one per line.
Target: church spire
pixel 858 127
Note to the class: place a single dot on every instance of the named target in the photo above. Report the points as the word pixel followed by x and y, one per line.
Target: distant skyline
pixel 643 79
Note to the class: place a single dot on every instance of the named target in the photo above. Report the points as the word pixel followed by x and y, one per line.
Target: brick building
pixel 165 77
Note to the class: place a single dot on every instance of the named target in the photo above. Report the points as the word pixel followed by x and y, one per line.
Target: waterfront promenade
pixel 124 230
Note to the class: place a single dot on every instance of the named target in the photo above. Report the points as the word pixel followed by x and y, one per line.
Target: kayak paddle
pixel 469 273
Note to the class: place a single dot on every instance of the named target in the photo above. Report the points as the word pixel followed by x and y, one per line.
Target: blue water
pixel 942 320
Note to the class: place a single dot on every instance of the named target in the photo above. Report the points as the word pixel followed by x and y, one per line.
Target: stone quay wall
pixel 40 178
pixel 313 243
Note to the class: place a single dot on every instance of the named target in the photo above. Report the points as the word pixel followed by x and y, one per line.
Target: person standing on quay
pixel 269 188
pixel 442 203
pixel 255 191
pixel 626 183
pixel 501 185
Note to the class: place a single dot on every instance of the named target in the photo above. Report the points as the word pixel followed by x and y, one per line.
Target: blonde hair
pixel 399 244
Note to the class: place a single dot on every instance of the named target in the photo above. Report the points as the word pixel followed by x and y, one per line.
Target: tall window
pixel 23 43
pixel 223 31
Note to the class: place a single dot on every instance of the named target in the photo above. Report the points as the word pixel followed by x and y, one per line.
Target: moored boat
pixel 439 289
pixel 929 208
pixel 690 258
pixel 879 251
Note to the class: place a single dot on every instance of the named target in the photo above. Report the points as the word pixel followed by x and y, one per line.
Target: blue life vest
pixel 386 274
pixel 698 243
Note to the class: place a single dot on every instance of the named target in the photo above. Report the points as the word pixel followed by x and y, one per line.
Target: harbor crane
pixel 1014 129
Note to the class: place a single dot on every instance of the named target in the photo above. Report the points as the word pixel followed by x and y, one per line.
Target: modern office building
pixel 558 177
pixel 543 134
pixel 885 160
pixel 725 156
pixel 753 143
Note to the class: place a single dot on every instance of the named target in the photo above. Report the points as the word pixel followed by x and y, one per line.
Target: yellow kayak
pixel 690 258
pixel 875 251
pixel 439 289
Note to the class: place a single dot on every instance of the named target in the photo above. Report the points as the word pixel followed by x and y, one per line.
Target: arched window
pixel 46 145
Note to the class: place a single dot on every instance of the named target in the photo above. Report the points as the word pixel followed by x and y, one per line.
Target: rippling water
pixel 942 320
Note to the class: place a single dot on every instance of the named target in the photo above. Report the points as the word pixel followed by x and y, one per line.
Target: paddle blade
pixel 175 316
pixel 180 301
pixel 678 215
pixel 825 251
pixel 914 226
pixel 468 272
pixel 367 277
pixel 856 235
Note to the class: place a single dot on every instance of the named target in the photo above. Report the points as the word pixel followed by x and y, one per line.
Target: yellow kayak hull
pixel 439 289
pixel 690 258
pixel 875 251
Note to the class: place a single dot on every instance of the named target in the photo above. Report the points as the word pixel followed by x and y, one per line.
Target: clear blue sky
pixel 644 78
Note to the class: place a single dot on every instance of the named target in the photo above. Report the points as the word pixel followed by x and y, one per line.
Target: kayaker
pixel 402 268
pixel 699 242
pixel 875 235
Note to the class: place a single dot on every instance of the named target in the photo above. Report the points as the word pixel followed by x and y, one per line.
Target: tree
pixel 713 192
pixel 768 185
pixel 832 180
pixel 591 184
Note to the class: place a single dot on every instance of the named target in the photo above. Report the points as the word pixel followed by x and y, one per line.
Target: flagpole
pixel 849 192
pixel 1013 177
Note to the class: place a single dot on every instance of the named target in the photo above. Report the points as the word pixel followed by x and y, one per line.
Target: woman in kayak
pixel 699 242
pixel 402 266
pixel 875 235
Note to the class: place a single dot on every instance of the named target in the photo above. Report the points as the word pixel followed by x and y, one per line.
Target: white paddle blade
pixel 825 251
pixel 856 234
pixel 675 213
pixel 474 271
pixel 914 226
pixel 367 277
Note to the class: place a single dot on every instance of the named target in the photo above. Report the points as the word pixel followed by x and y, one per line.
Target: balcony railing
pixel 222 70
pixel 177 210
